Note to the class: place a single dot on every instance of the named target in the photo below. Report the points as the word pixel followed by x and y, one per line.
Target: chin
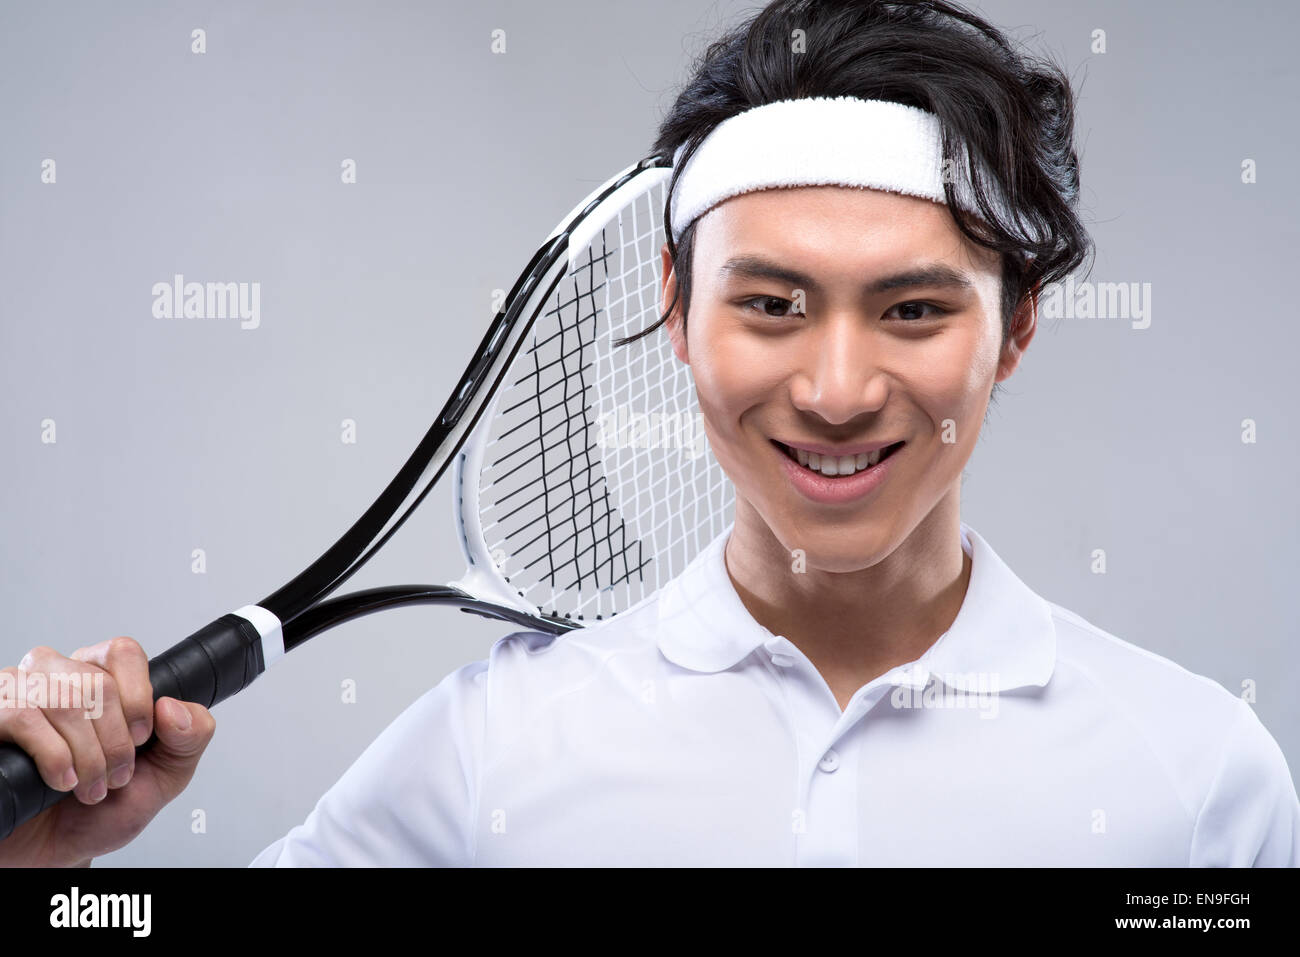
pixel 838 548
pixel 853 558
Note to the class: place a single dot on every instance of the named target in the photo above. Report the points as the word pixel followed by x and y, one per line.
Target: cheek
pixel 733 373
pixel 950 379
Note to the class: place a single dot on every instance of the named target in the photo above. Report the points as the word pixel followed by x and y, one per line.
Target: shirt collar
pixel 1003 633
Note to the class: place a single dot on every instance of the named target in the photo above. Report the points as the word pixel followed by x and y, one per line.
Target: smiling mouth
pixel 832 466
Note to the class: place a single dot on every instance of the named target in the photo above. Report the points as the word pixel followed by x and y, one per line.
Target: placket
pixel 827 815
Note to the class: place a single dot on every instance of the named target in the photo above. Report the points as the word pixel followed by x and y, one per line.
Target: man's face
pixel 913 363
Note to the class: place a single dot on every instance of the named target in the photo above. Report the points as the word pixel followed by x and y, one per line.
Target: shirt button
pixel 829 762
pixel 782 661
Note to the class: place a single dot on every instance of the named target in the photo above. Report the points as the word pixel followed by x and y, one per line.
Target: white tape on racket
pixel 268 626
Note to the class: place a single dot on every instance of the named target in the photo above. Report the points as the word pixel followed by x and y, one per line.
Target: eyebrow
pixel 928 275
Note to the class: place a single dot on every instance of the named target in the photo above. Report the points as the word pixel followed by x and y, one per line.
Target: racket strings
pixel 591 522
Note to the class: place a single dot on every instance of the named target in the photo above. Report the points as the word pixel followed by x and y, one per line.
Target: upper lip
pixel 837 450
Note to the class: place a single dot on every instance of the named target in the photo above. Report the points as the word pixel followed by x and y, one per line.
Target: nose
pixel 839 375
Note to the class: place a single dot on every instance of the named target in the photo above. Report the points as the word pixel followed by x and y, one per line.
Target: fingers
pixel 79 703
pixel 85 742
pixel 29 729
pixel 72 716
pixel 127 662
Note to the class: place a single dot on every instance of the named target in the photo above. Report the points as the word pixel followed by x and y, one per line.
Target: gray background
pixel 225 167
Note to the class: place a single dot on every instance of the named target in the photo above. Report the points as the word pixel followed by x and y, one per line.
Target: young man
pixel 849 675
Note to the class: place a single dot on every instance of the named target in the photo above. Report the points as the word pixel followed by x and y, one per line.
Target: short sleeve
pixel 1251 815
pixel 410 799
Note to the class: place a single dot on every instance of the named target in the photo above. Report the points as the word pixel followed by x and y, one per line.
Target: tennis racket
pixel 582 477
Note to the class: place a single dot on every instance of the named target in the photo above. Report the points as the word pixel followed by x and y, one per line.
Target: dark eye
pixel 912 307
pixel 773 307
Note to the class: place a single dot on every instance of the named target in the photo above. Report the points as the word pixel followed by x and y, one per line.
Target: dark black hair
pixel 1013 113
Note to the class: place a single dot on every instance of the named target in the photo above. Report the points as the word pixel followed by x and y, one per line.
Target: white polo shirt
pixel 682 732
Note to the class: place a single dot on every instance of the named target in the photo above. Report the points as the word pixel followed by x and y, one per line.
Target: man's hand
pixel 116 794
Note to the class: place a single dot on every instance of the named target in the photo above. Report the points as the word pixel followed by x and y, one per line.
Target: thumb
pixel 183 730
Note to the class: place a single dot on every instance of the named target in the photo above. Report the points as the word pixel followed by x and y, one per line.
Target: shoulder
pixel 1180 713
pixel 526 669
pixel 1230 771
pixel 410 799
pixel 629 631
pixel 1149 683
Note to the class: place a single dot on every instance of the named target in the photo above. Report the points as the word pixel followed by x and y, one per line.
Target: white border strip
pixel 268 626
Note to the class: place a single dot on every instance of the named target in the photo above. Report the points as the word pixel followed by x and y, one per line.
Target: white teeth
pixel 831 466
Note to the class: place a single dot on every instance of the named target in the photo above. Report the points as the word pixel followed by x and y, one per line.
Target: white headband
pixel 821 141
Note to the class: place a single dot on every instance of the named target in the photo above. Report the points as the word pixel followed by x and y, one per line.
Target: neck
pixel 854 625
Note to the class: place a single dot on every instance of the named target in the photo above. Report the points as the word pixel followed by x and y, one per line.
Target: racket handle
pixel 209 666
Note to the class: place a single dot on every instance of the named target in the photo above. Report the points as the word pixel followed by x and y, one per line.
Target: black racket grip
pixel 209 666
